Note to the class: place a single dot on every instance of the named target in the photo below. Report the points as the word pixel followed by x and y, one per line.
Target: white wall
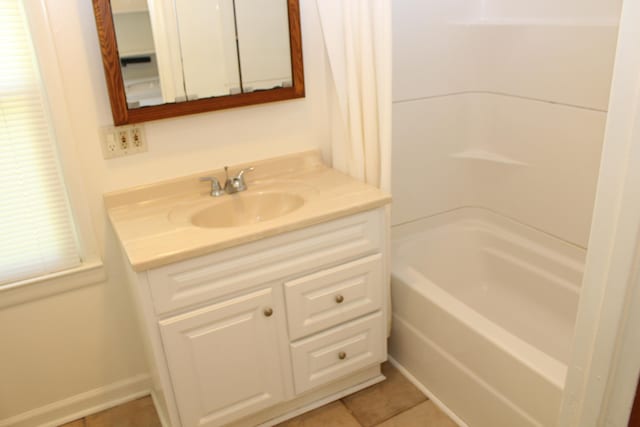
pixel 501 104
pixel 63 346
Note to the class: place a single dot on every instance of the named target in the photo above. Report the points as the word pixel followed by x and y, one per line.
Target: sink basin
pixel 244 209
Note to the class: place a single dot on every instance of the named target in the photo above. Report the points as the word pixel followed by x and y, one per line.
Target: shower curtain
pixel 357 35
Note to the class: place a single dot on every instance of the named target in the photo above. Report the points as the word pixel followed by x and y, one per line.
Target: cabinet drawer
pixel 329 355
pixel 253 264
pixel 329 297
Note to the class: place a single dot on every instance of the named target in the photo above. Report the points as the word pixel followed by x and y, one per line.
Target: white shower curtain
pixel 357 35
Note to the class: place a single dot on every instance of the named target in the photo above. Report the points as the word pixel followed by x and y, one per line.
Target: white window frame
pixel 91 270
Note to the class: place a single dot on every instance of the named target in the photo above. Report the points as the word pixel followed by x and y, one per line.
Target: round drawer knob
pixel 342 355
pixel 268 311
pixel 339 299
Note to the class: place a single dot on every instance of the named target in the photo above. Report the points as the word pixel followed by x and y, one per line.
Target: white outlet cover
pixel 111 145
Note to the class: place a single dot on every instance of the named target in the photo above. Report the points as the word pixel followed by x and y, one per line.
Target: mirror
pixel 166 58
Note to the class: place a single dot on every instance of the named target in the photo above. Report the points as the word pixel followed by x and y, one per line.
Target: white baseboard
pixel 83 404
pixel 164 422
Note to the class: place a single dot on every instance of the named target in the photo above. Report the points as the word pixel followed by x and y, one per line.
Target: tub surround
pixel 505 102
pixel 152 221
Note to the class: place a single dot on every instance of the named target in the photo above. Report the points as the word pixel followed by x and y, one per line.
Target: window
pixel 37 232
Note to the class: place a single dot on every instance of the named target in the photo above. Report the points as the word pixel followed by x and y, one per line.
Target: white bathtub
pixel 484 311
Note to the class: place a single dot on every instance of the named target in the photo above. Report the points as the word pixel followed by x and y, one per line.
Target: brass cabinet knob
pixel 268 311
pixel 342 355
pixel 339 299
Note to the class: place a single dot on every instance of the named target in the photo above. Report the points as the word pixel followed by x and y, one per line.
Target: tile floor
pixel 137 413
pixel 391 403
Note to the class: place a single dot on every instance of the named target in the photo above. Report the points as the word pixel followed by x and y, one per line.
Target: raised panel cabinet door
pixel 224 359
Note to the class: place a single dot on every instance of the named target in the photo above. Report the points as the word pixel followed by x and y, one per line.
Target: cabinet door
pixel 224 359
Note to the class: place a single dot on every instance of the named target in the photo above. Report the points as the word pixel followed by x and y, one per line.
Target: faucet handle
pixel 238 181
pixel 243 171
pixel 216 188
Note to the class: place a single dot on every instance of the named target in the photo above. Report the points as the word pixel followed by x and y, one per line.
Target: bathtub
pixel 483 315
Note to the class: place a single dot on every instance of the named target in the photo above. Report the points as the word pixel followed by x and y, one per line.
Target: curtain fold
pixel 357 35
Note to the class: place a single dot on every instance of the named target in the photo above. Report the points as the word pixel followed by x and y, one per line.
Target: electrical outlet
pixel 110 144
pixel 138 141
pixel 123 140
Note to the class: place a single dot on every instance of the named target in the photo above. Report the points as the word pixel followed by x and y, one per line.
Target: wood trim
pixel 111 60
pixel 295 43
pixel 115 85
pixel 634 419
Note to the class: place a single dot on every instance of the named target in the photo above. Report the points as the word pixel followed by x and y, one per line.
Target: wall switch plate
pixel 121 141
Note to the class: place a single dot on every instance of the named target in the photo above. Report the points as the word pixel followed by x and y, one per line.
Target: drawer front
pixel 330 355
pixel 244 267
pixel 330 297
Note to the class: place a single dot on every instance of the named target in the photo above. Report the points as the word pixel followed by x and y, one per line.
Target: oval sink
pixel 245 209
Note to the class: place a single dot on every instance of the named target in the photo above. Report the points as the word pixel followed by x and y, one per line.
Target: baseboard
pixel 444 408
pixel 164 422
pixel 83 404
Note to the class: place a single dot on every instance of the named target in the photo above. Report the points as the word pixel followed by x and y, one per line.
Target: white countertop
pixel 153 221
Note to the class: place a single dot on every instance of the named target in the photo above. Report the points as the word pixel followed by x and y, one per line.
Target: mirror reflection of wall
pixel 263 26
pixel 208 44
pixel 179 50
pixel 137 52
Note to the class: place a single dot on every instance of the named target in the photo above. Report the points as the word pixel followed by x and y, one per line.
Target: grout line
pixel 350 411
pixel 401 412
pixel 509 95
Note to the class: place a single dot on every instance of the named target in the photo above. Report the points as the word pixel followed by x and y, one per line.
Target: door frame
pixel 603 371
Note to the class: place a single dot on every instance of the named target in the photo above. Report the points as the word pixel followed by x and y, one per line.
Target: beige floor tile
pixel 425 414
pixel 137 413
pixel 382 401
pixel 76 423
pixel 334 414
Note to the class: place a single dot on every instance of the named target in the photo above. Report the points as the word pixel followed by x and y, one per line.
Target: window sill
pixel 90 272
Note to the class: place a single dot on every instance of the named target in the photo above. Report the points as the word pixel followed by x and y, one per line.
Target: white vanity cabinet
pixel 260 331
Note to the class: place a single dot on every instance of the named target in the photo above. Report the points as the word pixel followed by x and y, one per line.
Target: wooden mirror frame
pixel 122 114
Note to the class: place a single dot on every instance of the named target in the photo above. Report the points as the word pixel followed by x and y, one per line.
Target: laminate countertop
pixel 154 222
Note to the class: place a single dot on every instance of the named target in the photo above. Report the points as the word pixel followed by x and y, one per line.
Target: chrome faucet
pixel 235 184
pixel 216 189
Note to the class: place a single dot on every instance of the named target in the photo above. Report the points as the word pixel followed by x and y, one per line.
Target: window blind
pixel 37 234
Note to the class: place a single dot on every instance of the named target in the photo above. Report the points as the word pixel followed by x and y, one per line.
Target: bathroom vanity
pixel 260 305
